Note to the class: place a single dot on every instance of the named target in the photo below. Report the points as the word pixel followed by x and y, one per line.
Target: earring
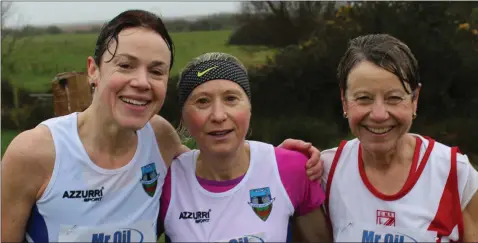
pixel 93 86
pixel 414 115
pixel 345 114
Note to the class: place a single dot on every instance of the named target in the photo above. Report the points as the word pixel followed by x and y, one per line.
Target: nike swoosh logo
pixel 205 71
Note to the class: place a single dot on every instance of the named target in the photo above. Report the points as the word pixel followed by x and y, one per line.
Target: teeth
pixel 219 133
pixel 134 102
pixel 379 130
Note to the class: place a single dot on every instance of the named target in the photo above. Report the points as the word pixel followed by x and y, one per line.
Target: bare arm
pixel 470 220
pixel 26 168
pixel 311 227
pixel 168 139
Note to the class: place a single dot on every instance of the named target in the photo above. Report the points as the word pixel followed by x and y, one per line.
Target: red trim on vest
pixel 449 210
pixel 413 175
pixel 329 182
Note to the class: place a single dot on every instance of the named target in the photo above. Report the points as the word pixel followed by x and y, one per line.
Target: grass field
pixel 36 60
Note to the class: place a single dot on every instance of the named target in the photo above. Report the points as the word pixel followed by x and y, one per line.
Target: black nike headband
pixel 211 70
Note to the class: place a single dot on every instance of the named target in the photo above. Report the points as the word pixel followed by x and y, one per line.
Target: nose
pixel 379 111
pixel 218 113
pixel 141 80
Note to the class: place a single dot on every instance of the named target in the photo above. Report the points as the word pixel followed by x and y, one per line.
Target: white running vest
pixel 255 210
pixel 427 209
pixel 86 203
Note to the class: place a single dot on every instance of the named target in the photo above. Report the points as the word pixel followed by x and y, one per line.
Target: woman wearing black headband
pixel 233 190
pixel 97 175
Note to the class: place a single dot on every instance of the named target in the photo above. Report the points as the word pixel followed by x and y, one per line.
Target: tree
pixel 11 39
pixel 280 23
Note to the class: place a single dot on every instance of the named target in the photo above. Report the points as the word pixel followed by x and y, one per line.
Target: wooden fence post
pixel 71 93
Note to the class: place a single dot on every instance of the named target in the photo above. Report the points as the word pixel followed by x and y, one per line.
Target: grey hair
pixel 385 51
pixel 209 57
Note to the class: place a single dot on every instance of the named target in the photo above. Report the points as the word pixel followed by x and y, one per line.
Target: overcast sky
pixel 45 13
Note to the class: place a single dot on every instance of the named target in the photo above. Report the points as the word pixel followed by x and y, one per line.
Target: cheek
pixel 356 113
pixel 159 89
pixel 242 118
pixel 403 112
pixel 112 85
pixel 195 121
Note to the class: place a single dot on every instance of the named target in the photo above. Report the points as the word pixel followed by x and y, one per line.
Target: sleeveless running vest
pixel 427 209
pixel 255 210
pixel 86 203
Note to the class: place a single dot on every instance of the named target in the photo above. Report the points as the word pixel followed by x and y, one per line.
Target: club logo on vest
pixel 386 218
pixel 149 178
pixel 261 202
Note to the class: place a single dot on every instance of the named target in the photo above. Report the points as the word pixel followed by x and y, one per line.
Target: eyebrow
pixel 206 93
pixel 133 58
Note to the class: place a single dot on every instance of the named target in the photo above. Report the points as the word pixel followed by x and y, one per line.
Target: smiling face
pixel 217 114
pixel 378 108
pixel 131 88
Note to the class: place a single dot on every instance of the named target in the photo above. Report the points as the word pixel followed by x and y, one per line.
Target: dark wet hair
pixel 384 51
pixel 130 19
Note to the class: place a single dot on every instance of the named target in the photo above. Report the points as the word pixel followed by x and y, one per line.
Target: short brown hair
pixel 384 51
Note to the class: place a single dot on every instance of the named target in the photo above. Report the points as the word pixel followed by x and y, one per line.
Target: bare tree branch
pixel 6 6
pixel 11 38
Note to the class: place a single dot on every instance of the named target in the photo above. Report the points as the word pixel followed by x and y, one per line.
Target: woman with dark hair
pixel 97 175
pixel 388 185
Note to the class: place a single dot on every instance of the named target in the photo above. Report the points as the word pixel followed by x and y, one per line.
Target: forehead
pixel 144 44
pixel 217 86
pixel 370 77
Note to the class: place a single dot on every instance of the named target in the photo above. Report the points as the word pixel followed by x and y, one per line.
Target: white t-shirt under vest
pixel 86 203
pixel 427 209
pixel 257 209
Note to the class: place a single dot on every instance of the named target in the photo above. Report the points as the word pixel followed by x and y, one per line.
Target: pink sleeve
pixel 304 194
pixel 165 196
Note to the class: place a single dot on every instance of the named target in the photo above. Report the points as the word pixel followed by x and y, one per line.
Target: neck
pixel 220 167
pixel 399 154
pixel 104 139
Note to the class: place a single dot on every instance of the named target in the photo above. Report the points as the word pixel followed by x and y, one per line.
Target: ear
pixel 415 96
pixel 93 71
pixel 342 98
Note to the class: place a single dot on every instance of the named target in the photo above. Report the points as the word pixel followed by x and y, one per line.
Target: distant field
pixel 38 59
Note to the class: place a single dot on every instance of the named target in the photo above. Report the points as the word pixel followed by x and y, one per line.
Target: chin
pixel 378 146
pixel 133 123
pixel 224 149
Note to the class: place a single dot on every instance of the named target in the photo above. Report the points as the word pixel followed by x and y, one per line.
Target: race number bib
pixel 256 237
pixel 138 232
pixel 366 233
